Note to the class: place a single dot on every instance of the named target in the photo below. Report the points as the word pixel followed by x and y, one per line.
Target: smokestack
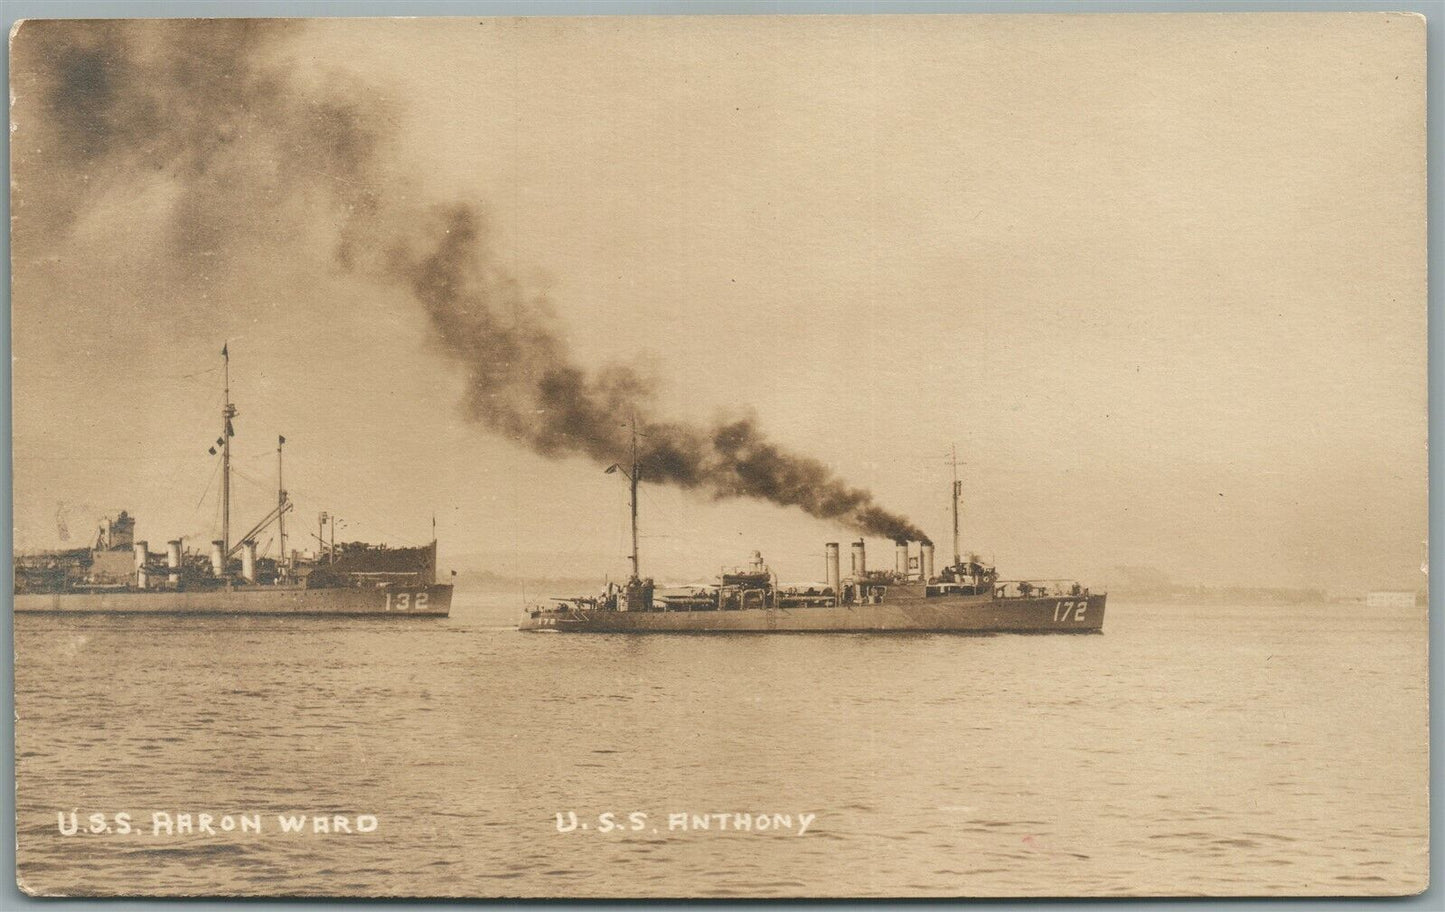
pixel 140 564
pixel 173 560
pixel 218 560
pixel 248 561
pixel 860 559
pixel 925 561
pixel 835 575
pixel 902 551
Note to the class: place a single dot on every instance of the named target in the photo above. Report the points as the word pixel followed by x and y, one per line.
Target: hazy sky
pixel 1161 279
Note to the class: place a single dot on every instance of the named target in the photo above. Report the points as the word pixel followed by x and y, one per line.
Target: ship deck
pixel 956 614
pixel 401 601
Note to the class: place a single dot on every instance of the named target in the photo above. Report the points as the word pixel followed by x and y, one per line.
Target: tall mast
pixel 632 477
pixel 228 411
pixel 957 492
pixel 281 499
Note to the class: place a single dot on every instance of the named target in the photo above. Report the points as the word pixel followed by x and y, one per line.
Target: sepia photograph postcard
pixel 720 457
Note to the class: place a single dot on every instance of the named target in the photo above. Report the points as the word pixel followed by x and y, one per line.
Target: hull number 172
pixel 1070 611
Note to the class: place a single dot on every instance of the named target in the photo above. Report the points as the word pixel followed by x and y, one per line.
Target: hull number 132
pixel 406 601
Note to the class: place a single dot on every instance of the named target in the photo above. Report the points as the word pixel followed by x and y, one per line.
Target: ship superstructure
pixel 119 574
pixel 967 596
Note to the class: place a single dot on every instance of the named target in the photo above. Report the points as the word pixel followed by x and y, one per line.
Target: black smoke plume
pixel 248 156
pixel 201 116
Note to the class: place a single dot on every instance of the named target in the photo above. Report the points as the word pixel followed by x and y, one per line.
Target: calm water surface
pixel 1190 749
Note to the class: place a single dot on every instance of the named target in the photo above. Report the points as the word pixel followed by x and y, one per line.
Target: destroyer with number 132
pixel 119 575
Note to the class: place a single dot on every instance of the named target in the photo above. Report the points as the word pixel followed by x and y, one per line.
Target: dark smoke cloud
pixel 209 111
pixel 202 115
pixel 524 383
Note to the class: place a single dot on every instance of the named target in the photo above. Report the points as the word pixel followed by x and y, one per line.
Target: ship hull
pixel 960 614
pixel 400 601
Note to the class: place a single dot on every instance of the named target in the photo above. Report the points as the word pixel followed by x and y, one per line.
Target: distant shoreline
pixel 1209 595
pixel 1174 593
pixel 495 580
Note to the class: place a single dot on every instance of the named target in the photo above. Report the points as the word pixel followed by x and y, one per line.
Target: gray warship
pixel 967 596
pixel 119 575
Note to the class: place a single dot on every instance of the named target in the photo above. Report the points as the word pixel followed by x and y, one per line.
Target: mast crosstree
pixel 228 412
pixel 957 493
pixel 633 475
pixel 633 478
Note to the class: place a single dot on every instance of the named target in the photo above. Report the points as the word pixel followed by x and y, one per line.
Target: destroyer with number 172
pixel 965 597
